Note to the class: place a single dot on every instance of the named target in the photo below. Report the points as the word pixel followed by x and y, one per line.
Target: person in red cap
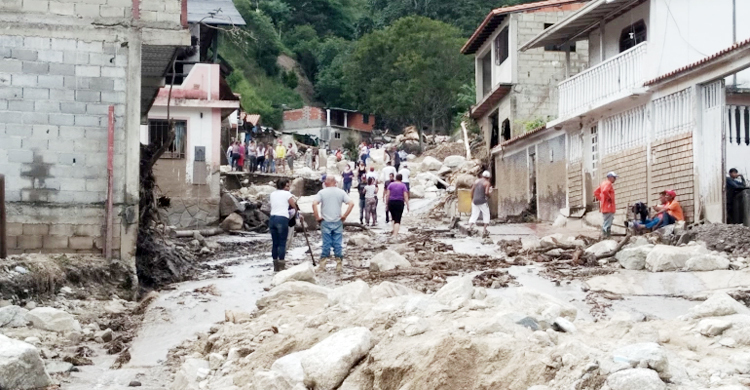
pixel 669 212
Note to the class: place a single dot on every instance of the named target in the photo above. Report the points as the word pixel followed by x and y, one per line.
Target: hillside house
pixel 69 72
pixel 332 126
pixel 188 172
pixel 661 103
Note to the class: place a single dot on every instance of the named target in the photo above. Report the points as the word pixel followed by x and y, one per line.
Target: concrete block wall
pixel 632 184
pixel 54 102
pixel 539 71
pixel 672 169
pixel 551 181
pixel 157 11
pixel 512 183
pixel 575 184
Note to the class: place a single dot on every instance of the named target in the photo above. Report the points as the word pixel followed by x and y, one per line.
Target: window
pixel 366 118
pixel 632 35
pixel 158 132
pixel 487 73
pixel 506 130
pixel 553 47
pixel 501 47
pixel 337 135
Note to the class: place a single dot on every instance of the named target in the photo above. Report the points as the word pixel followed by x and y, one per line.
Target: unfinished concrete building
pixel 69 72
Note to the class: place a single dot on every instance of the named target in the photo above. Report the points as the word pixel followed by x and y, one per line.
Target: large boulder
pixel 635 379
pixel 328 362
pixel 304 272
pixel 233 222
pixel 454 161
pixel 350 294
pixel 431 164
pixel 229 204
pixel 20 366
pixel 707 262
pixel 644 355
pixel 417 192
pixel 458 289
pixel 190 374
pixel 710 327
pixel 13 317
pixel 287 290
pixel 290 368
pixel 464 180
pixel 297 187
pixel 53 320
pixel 672 258
pixel 389 290
pixel 602 247
pixel 719 304
pixel 388 260
pixel 634 257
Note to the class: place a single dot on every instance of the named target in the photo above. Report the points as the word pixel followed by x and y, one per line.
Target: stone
pixel 228 205
pixel 464 180
pixel 563 325
pixel 717 305
pixel 290 367
pixel 350 294
pixel 707 262
pixel 114 307
pixel 134 384
pixel 215 360
pixel 602 247
pixel 479 293
pixel 359 240
pixel 304 272
pixel 20 366
pixel 105 336
pixel 297 186
pixel 30 305
pixel 671 258
pixel 57 367
pixel 417 192
pixel 539 387
pixel 33 340
pixel 233 222
pixel 458 289
pixel 388 260
pixel 13 317
pixel 75 337
pixel 431 164
pixel 644 355
pixel 272 380
pixel 635 379
pixel 21 270
pixel 414 325
pixel 389 290
pixel 634 257
pixel 290 289
pixel 190 374
pixel 560 221
pixel 53 320
pixel 713 327
pixel 530 243
pixel 328 362
pixel 529 322
pixel 741 362
pixel 66 290
pixel 454 161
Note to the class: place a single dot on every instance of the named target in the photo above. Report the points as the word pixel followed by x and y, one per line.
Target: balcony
pixel 609 81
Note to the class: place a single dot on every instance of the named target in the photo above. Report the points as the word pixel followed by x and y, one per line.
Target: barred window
pixel 158 131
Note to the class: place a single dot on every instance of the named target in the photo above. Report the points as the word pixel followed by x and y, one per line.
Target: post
pixel 328 117
pixel 110 182
pixel 3 237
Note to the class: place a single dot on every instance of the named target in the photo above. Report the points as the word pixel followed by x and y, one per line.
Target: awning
pixel 214 12
pixel 490 101
pixel 577 26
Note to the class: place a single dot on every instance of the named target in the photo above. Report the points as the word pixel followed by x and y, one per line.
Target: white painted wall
pixel 612 31
pixel 502 73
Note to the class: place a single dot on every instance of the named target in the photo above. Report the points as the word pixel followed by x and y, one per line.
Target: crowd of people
pixel 263 157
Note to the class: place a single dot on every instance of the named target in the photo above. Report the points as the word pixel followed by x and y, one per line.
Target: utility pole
pixel 3 236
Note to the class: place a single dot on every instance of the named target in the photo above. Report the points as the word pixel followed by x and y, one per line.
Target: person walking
pixel 348 176
pixel 371 202
pixel 280 157
pixel 388 171
pixel 329 200
pixel 261 159
pixel 605 193
pixel 361 184
pixel 480 194
pixel 405 172
pixel 398 198
pixel 291 155
pixel 308 158
pixel 390 179
pixel 235 155
pixel 243 152
pixel 270 158
pixel 281 201
pixel 252 156
pixel 361 170
pixel 396 159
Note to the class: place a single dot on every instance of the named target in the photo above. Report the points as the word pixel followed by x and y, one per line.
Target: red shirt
pixel 606 195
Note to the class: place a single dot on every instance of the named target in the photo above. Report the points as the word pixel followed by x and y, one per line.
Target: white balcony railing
pixel 603 81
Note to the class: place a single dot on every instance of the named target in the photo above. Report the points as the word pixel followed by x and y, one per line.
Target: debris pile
pixel 732 239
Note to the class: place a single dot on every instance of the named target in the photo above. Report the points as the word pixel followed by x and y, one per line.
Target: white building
pixel 661 103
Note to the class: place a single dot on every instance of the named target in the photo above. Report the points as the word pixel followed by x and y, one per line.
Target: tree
pixel 410 72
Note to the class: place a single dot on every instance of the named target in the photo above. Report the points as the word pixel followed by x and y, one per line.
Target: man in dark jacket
pixel 735 185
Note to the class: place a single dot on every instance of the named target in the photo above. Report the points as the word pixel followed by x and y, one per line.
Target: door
pixel 710 154
pixel 591 166
pixel 532 181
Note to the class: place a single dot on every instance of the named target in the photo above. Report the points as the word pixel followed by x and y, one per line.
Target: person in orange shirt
pixel 606 196
pixel 669 212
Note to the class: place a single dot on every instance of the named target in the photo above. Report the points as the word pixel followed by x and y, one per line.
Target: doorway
pixel 532 181
pixel 494 129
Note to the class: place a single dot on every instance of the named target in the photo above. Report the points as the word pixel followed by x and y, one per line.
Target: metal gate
pixel 710 156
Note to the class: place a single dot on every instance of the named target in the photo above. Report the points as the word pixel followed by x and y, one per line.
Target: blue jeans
pixel 347 186
pixel 661 220
pixel 607 224
pixel 279 227
pixel 361 209
pixel 333 236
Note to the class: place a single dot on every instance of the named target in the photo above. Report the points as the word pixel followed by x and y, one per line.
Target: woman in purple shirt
pixel 398 197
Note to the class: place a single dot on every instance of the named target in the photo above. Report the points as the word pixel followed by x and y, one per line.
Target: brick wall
pixel 304 118
pixel 539 71
pixel 161 11
pixel 575 184
pixel 551 178
pixel 672 168
pixel 356 121
pixel 632 183
pixel 511 182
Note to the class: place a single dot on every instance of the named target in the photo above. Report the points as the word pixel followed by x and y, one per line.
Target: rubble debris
pixel 388 260
pixel 20 366
pixel 13 316
pixel 53 320
pixel 732 239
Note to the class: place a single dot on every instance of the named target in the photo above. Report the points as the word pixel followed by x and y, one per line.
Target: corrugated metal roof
pixel 576 27
pixel 215 12
pixel 496 16
pixel 689 67
pixel 524 135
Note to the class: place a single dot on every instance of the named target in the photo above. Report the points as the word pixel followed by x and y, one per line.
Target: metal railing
pixel 605 80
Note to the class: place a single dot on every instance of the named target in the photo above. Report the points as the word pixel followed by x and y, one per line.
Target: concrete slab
pixel 627 282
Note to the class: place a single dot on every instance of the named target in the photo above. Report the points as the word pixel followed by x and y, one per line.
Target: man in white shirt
pixel 405 172
pixel 387 171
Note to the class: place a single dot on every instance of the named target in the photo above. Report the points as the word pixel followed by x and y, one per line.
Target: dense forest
pixel 398 59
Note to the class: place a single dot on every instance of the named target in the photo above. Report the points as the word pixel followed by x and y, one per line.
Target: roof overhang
pixel 214 12
pixel 491 100
pixel 577 26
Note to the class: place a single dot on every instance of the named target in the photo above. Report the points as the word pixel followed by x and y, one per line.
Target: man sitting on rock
pixel 668 212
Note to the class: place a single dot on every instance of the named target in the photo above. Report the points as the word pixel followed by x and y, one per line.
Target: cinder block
pixel 20 156
pixel 24 54
pixel 62 95
pixel 36 93
pixel 87 10
pixel 92 46
pixel 21 105
pixel 75 57
pixel 38 43
pixel 11 41
pixel 97 109
pixel 62 69
pixel 71 158
pixel 50 56
pixel 62 119
pixel 87 120
pixel 88 230
pixel 73 107
pixel 35 229
pixel 113 72
pixel 102 84
pixel 88 71
pixel 80 242
pixel 113 97
pixel 50 81
pixel 55 242
pixel 102 59
pixel 29 242
pixel 88 96
pixel 61 229
pixel 45 131
pixel 61 8
pixel 62 145
pixel 32 143
pixel 96 185
pixel 83 145
pixel 11 93
pixel 112 12
pixel 12 242
pixel 14 229
pixel 72 132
